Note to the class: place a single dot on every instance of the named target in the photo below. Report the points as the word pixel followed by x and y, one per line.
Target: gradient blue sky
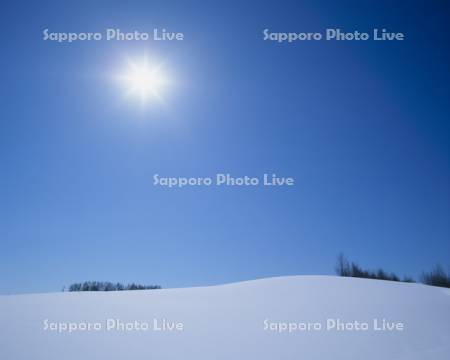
pixel 362 126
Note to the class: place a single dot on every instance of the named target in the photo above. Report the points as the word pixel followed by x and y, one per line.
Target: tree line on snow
pixel 436 277
pixel 109 286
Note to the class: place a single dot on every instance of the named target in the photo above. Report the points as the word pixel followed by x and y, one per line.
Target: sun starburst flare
pixel 144 81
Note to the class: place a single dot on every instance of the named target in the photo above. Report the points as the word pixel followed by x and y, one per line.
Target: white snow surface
pixel 228 322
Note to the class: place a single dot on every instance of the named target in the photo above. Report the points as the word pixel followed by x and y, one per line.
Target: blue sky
pixel 362 126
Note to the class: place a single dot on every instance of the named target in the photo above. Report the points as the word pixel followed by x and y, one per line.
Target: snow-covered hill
pixel 302 317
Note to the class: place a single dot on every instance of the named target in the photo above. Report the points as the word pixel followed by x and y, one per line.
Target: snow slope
pixel 228 322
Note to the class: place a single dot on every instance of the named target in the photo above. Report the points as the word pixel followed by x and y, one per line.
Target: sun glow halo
pixel 144 80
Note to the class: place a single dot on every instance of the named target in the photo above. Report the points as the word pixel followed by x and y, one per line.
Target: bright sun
pixel 144 80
